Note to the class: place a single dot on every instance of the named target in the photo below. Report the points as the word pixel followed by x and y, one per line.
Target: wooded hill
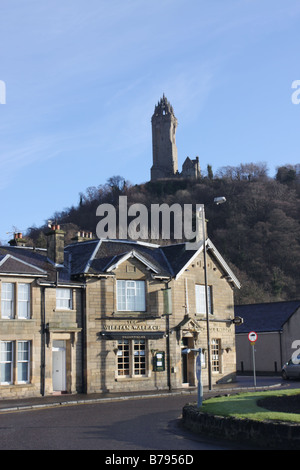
pixel 257 230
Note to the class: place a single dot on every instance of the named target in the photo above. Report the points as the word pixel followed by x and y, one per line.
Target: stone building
pixel 40 321
pixel 133 343
pixel 111 315
pixel 277 325
pixel 165 158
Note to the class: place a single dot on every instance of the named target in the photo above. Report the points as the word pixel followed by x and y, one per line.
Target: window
pixel 200 299
pixel 7 300
pixel 215 355
pixel 131 296
pixel 64 298
pixel 10 291
pixel 24 301
pixel 6 362
pixel 139 357
pixel 131 357
pixel 123 357
pixel 23 356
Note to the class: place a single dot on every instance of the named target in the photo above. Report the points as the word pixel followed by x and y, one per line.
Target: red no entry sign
pixel 252 336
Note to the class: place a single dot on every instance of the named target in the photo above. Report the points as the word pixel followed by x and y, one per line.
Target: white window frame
pixel 131 296
pixel 5 360
pixel 7 300
pixel 25 301
pixel 132 358
pixel 123 358
pixel 63 301
pixel 215 352
pixel 200 299
pixel 23 360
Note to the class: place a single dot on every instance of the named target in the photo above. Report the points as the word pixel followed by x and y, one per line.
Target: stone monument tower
pixel 164 124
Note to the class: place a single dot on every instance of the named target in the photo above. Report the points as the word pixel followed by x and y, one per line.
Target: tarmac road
pixel 140 424
pixel 121 424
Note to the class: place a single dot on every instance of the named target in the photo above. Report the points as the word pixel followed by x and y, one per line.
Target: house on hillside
pixel 111 315
pixel 277 325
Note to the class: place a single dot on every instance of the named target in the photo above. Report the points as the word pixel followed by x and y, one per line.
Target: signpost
pixel 198 374
pixel 252 336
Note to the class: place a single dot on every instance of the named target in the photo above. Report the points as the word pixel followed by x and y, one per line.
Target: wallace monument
pixel 165 159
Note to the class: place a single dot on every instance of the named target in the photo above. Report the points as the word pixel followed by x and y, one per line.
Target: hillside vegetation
pixel 257 231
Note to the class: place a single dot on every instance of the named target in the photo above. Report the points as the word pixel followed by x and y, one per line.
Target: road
pixel 142 424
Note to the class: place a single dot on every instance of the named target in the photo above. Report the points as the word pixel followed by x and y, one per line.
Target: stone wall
pixel 264 434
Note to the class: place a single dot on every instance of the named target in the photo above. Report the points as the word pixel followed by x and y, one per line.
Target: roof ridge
pixel 268 303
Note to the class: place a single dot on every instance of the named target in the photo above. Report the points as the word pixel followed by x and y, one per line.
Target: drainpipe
pixel 167 313
pixel 83 339
pixel 168 353
pixel 280 340
pixel 43 348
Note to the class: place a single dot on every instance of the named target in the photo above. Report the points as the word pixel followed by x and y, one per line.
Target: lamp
pixel 217 201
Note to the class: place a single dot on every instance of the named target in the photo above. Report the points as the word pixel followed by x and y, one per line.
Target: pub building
pixel 102 315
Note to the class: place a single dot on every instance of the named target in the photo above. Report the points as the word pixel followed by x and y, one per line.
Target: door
pixel 184 361
pixel 184 368
pixel 59 366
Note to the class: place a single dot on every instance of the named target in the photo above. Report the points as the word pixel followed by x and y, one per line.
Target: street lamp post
pixel 206 300
pixel 217 201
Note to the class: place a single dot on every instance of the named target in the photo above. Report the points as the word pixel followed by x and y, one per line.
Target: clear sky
pixel 82 78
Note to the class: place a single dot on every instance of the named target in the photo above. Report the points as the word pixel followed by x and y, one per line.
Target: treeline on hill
pixel 257 231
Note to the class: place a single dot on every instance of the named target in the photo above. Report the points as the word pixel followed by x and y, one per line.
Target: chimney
pixel 56 244
pixel 18 240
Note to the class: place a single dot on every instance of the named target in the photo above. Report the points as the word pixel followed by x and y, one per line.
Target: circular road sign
pixel 252 336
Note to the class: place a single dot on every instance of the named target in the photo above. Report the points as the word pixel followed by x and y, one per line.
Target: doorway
pixel 188 376
pixel 59 366
pixel 184 362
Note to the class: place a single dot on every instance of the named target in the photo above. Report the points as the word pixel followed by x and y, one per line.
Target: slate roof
pixel 96 256
pixel 177 256
pixel 101 256
pixel 265 317
pixel 21 260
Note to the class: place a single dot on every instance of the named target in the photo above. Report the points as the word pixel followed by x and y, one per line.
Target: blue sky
pixel 83 76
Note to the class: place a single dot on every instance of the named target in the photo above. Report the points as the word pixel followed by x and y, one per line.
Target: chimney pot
pixel 17 240
pixel 82 235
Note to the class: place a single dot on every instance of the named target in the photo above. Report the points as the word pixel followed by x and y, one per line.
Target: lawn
pixel 244 405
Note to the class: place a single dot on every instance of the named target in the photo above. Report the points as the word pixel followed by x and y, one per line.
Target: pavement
pixel 243 383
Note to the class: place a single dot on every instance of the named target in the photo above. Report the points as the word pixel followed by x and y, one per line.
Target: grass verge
pixel 244 405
